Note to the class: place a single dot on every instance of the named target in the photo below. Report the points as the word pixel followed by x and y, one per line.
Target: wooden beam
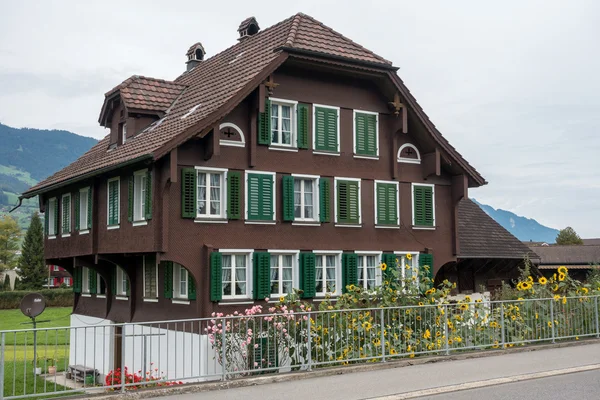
pixel 404 119
pixel 261 98
pixel 174 175
pixel 459 191
pixel 252 137
pixel 212 146
pixel 431 163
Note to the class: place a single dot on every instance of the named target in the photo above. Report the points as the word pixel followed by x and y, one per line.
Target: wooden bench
pixel 79 372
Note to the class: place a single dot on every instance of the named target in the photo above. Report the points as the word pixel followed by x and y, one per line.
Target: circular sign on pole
pixel 33 304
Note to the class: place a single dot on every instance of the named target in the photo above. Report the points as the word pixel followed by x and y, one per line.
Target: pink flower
pixel 266 299
pixel 255 364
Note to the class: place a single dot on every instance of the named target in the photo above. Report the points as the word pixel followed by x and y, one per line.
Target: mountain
pixel 525 229
pixel 29 155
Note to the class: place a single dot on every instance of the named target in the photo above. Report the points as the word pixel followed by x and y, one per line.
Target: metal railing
pixel 121 357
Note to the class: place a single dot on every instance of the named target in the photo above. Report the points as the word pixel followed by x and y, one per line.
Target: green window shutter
pixel 168 285
pixel 264 125
pixel 191 287
pixel 260 197
pixel 347 202
pixel 188 193
pixel 387 204
pixel 234 188
pixel 148 199
pixel 426 259
pixel 92 281
pixel 56 216
pixel 423 205
pixel 326 127
pixel 266 354
pixel 130 195
pixel 65 215
pixel 77 280
pixel 77 210
pixel 302 126
pixel 46 218
pixel 288 197
pixel 216 276
pixel 308 281
pixel 262 274
pixel 325 199
pixel 89 210
pixel 349 270
pixel 113 200
pixel 390 261
pixel 365 135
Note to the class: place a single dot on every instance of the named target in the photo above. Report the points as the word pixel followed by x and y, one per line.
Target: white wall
pixel 91 343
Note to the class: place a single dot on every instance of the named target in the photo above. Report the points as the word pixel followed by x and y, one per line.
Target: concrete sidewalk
pixel 386 382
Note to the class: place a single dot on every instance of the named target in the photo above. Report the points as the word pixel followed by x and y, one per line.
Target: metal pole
pixel 309 344
pixel 503 338
pixel 224 349
pixel 382 336
pixel 34 348
pixel 123 329
pixel 596 311
pixel 447 345
pixel 552 318
pixel 2 344
pixel 144 357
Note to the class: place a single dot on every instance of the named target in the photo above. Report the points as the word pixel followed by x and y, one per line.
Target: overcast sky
pixel 514 85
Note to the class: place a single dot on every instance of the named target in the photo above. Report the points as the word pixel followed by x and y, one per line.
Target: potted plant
pixel 36 370
pixel 51 363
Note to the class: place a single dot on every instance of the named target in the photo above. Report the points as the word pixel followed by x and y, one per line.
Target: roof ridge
pixel 293 30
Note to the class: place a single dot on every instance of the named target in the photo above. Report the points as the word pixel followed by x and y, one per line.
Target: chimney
pixel 248 27
pixel 195 55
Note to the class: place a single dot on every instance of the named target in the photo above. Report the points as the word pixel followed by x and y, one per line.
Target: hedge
pixel 54 298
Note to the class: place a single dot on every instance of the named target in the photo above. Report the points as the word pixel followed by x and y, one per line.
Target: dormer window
pixel 248 27
pixel 123 133
pixel 195 55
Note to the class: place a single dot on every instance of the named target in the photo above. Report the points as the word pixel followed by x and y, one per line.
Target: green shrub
pixel 54 298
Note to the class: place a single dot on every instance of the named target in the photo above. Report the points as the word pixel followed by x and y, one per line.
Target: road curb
pixel 328 371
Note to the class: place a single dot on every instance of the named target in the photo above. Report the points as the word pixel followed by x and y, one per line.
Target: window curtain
pixel 226 271
pixel 240 275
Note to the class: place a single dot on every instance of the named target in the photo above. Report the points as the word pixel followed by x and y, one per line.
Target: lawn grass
pixel 14 320
pixel 19 379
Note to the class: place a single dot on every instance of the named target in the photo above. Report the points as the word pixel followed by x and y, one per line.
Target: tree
pixel 568 236
pixel 10 234
pixel 31 264
pixel 7 283
pixel 18 284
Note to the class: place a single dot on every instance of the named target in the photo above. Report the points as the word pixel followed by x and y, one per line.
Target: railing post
pixel 446 333
pixel 309 345
pixel 224 348
pixel 2 349
pixel 123 354
pixel 502 334
pixel 552 319
pixel 596 312
pixel 382 336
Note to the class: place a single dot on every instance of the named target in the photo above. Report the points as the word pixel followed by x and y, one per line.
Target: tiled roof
pixel 200 97
pixel 482 237
pixel 568 255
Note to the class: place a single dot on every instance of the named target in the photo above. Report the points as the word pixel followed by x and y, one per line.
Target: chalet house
pixel 579 259
pixel 58 276
pixel 294 159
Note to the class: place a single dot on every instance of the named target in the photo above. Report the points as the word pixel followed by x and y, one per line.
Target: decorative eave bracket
pixel 398 106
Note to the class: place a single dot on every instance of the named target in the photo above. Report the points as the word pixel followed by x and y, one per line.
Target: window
pixel 369 272
pixel 408 263
pixel 235 276
pixel 85 280
pixel 84 212
pixel 150 278
pixel 260 196
pixel 66 215
pixel 100 286
pixel 305 199
pixel 326 129
pixel 366 134
pixel 283 122
pixel 52 214
pixel 67 281
pixel 141 189
pixel 282 274
pixel 56 268
pixel 327 274
pixel 121 282
pixel 408 153
pixel 423 206
pixel 386 204
pixel 180 282
pixel 347 201
pixel 123 133
pixel 211 193
pixel 113 200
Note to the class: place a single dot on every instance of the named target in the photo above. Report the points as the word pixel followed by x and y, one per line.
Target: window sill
pixel 408 161
pixel 325 153
pixel 232 143
pixel 424 228
pixel 121 298
pixel 86 295
pixel 282 148
pixel 348 225
pixel 65 235
pixel 234 302
pixel 150 300
pixel 260 222
pixel 111 227
pixel 210 221
pixel 140 223
pixel 334 297
pixel 100 296
pixel 84 232
pixel 387 226
pixel 51 237
pixel 180 301
pixel 366 157
pixel 306 223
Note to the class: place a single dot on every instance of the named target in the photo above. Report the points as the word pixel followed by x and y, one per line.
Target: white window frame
pixel 316 197
pixel 246 187
pixel 378 272
pixel 248 253
pixel 121 279
pixel 51 217
pixel 335 202
pixel 56 268
pixel 207 217
pixel 83 213
pixel 338 270
pixel 295 275
pixel 314 131
pixel 412 200
pixel 293 146
pixel 232 143
pixel 356 155
pixel 139 200
pixel 85 280
pixel 415 261
pixel 124 133
pixel 118 179
pixel 376 213
pixel 408 160
pixel 67 281
pixel 177 294
pixel 149 299
pixel 62 215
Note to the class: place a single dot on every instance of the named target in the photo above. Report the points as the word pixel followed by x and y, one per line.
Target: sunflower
pixel 529 279
pixel 421 303
pixel 513 317
pixel 366 325
pixel 564 300
pixel 467 299
pixel 427 334
pixel 409 256
pixel 584 290
pixel 561 277
pixel 542 281
pixel 281 299
pixel 464 307
pixel 562 270
pixel 520 286
pixel 549 324
pixel 393 351
pixel 526 285
pixel 383 266
pixel 418 317
pixel 556 297
pixel 555 287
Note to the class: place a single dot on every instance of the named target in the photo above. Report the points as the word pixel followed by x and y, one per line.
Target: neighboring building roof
pixel 480 236
pixel 595 241
pixel 215 86
pixel 569 255
pixel 585 266
pixel 531 243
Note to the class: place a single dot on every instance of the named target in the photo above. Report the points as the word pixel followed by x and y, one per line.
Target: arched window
pixel 231 135
pixel 408 153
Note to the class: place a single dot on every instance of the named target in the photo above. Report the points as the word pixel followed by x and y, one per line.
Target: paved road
pixel 373 384
pixel 582 385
